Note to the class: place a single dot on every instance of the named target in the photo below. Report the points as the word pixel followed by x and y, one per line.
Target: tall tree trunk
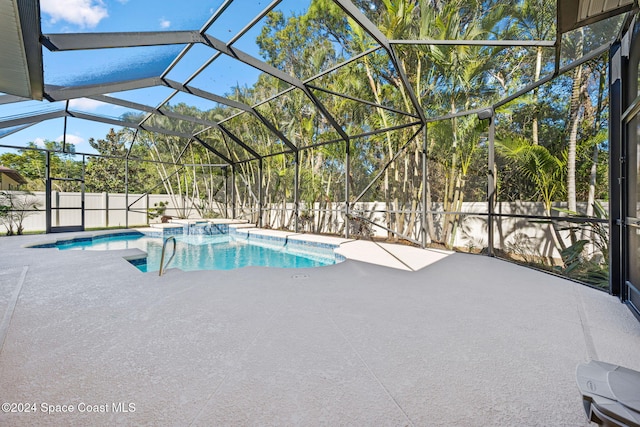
pixel 428 206
pixel 457 206
pixel 592 181
pixel 596 125
pixel 591 199
pixel 383 116
pixel 574 123
pixel 450 195
pixel 534 124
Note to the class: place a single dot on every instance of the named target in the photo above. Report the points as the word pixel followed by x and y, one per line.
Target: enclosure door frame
pixel 49 180
pixel 625 167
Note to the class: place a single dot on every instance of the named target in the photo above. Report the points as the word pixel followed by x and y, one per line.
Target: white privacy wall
pixel 101 210
pixel 519 235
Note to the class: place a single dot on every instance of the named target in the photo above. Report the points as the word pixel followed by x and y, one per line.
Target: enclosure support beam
pixel 296 191
pixel 332 121
pixel 29 120
pixel 36 118
pixel 86 41
pixel 491 184
pixel 213 150
pixel 133 141
pixel 484 42
pixel 247 59
pixel 616 211
pixel 206 95
pixel 151 110
pixel 347 195
pixel 60 93
pixel 82 190
pixel 233 192
pixel 47 190
pixel 64 131
pixel 424 228
pixel 586 58
pixel 226 192
pixel 273 71
pixel 274 130
pixel 386 166
pixel 11 99
pixel 257 18
pixel 147 192
pixel 397 154
pixel 345 137
pixel 363 101
pixel 375 32
pixel 260 191
pixel 186 49
pixel 203 30
pixel 126 192
pixel 237 140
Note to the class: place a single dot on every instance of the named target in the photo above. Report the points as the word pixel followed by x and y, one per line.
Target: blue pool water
pixel 204 252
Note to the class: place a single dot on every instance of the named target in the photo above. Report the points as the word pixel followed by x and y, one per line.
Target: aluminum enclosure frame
pixel 107 93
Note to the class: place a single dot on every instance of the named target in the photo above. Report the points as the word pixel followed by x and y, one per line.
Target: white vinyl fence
pixel 515 235
pixel 101 210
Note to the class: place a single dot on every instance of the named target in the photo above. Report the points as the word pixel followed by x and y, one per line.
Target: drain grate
pixel 300 276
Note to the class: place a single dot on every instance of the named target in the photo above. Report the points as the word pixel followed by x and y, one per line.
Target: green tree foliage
pixel 539 166
pixel 31 164
pixel 106 173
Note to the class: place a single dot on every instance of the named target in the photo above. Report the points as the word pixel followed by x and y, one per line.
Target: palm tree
pixel 545 170
pixel 535 20
pixel 457 78
pixel 538 165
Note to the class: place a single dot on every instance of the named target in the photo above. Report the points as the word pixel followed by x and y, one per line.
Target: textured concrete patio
pixel 462 341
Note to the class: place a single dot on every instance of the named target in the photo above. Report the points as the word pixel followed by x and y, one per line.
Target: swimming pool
pixel 205 252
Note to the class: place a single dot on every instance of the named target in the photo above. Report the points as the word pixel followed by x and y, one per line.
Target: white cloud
pixel 165 23
pixel 85 104
pixel 39 142
pixel 72 139
pixel 84 13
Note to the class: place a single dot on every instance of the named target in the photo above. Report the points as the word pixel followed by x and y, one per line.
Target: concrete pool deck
pixel 464 340
pixel 389 255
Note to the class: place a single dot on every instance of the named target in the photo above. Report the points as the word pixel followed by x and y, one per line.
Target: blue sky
pixel 84 67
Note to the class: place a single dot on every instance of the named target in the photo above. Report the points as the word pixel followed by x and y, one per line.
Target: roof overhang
pixel 574 14
pixel 14 175
pixel 21 71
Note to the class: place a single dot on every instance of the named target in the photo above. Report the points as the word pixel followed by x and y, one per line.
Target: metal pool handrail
pixel 163 266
